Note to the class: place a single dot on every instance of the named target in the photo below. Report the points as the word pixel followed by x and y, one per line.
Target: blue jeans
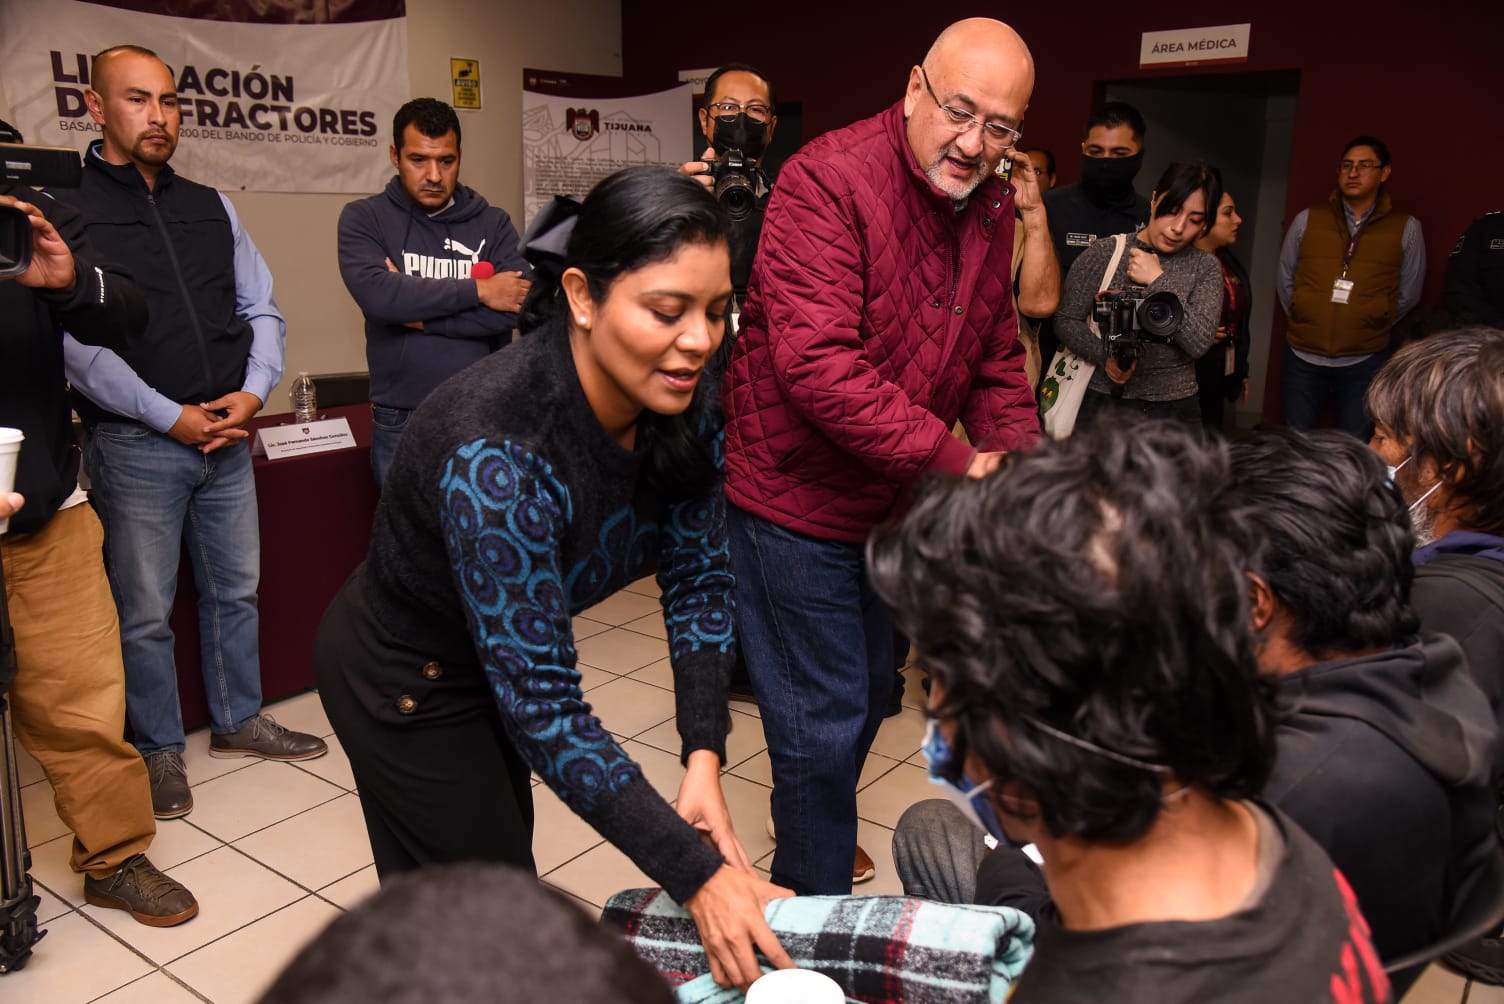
pixel 386 428
pixel 155 496
pixel 819 647
pixel 1308 387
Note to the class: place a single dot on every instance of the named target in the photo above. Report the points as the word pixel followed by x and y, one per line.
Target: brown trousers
pixel 68 699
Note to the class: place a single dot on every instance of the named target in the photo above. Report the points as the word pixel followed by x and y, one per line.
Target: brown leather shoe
pixel 263 737
pixel 141 890
pixel 170 797
pixel 862 869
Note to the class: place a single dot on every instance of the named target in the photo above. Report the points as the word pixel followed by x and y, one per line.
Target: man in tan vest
pixel 1350 268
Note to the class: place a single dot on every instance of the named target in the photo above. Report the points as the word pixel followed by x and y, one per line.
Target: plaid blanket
pixel 880 949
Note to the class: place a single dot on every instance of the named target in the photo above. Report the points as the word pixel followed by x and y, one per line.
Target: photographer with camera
pixel 1158 311
pixel 67 699
pixel 738 119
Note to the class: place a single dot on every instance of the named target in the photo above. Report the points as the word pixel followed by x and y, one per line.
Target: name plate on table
pixel 278 442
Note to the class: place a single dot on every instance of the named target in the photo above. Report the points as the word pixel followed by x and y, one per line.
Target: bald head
pixel 972 88
pixel 984 39
pixel 134 99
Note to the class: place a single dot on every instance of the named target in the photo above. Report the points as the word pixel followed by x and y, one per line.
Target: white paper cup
pixel 795 986
pixel 10 452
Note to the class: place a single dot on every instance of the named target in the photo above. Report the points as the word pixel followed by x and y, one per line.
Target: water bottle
pixel 305 406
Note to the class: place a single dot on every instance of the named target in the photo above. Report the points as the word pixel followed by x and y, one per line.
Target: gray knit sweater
pixel 1165 372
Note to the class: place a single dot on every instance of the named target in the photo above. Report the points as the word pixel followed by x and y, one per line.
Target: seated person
pixel 466 934
pixel 1083 613
pixel 1383 730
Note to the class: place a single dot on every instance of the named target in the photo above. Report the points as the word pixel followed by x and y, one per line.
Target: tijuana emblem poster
pixel 577 129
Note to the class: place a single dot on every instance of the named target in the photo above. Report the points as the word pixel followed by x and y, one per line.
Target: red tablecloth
pixel 315 516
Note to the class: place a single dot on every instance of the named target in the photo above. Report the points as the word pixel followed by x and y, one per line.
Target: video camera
pixel 56 166
pixel 735 176
pixel 1126 321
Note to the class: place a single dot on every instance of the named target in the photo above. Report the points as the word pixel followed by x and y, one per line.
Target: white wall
pixel 296 233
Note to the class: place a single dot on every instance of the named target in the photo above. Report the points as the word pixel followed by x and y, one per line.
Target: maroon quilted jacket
pixel 875 318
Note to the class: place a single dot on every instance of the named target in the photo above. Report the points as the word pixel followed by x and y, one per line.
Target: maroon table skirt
pixel 315 516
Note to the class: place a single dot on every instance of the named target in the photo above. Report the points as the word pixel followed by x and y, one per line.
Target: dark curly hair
pixel 1444 398
pixel 1093 588
pixel 466 934
pixel 1332 538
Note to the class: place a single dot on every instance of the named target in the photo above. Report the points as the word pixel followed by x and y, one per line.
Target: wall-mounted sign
pixel 1227 43
pixel 696 77
pixel 465 75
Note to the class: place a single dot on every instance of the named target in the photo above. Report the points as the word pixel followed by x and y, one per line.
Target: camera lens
pixel 1160 315
pixel 737 197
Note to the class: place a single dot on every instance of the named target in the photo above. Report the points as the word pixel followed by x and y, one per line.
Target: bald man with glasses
pixel 879 312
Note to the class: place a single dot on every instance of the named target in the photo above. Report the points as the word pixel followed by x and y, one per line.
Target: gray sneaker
pixel 144 892
pixel 263 737
pixel 170 797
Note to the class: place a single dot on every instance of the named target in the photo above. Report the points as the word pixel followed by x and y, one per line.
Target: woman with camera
pixel 1150 369
pixel 527 488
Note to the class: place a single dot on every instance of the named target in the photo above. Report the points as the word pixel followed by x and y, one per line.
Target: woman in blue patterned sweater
pixel 531 486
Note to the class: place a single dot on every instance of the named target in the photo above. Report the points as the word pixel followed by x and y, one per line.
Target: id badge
pixel 1341 290
pixel 1231 365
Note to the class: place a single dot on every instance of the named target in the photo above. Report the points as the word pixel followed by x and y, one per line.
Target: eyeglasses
pixel 1001 135
pixel 1348 166
pixel 756 111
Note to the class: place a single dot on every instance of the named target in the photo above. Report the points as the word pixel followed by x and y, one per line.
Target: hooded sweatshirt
pixel 1385 760
pixel 1459 590
pixel 433 257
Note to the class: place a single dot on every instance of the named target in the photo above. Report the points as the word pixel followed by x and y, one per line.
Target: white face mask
pixel 1396 469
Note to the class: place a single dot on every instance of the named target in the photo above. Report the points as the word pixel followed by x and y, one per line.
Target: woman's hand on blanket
pixel 728 910
pixel 702 805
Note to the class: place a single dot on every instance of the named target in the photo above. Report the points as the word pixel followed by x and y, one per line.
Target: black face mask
pixel 1109 180
pixel 739 132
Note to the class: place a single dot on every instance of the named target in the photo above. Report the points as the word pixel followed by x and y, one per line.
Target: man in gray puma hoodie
pixel 437 271
pixel 1385 749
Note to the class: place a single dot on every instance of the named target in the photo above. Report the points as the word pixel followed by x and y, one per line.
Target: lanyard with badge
pixel 1342 286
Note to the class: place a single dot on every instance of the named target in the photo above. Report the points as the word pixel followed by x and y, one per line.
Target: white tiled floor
pixel 274 851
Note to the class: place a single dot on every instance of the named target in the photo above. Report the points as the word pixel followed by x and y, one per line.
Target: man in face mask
pixel 1438 408
pixel 738 116
pixel 1103 202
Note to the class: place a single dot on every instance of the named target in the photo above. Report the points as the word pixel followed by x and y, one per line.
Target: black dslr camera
pixel 735 177
pixel 58 167
pixel 1127 320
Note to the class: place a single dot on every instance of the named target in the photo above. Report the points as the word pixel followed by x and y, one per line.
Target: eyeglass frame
pixel 733 109
pixel 1348 166
pixel 964 120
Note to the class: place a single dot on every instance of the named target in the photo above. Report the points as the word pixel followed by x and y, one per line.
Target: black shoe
pixel 263 737
pixel 170 797
pixel 1483 960
pixel 141 890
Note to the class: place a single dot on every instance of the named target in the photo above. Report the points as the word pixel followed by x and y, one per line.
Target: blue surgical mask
pixel 972 799
pixel 1396 469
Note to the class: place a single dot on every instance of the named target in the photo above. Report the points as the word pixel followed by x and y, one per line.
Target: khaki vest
pixel 1362 325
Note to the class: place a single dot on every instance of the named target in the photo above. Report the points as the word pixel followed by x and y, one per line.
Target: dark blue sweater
pixel 433 256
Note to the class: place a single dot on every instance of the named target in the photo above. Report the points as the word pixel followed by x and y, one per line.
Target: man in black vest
pixel 168 453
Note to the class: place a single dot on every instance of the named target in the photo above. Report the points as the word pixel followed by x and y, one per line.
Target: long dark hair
pixel 633 218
